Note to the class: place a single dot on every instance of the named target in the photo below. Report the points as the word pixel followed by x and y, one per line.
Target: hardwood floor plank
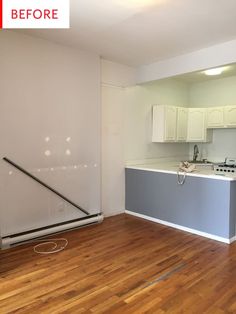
pixel 124 265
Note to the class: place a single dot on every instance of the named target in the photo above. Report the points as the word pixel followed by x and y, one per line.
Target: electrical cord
pixel 180 180
pixel 56 247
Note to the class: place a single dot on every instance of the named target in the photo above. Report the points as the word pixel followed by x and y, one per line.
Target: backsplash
pixel 223 145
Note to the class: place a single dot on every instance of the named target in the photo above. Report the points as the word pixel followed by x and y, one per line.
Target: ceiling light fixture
pixel 216 71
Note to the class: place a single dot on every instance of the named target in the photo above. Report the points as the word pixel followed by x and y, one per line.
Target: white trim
pixel 172 225
pixel 231 240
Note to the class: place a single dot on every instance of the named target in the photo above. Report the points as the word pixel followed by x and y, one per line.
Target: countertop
pixel 203 171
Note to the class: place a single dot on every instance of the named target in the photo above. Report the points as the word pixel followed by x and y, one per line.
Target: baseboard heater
pixel 21 238
pixel 24 237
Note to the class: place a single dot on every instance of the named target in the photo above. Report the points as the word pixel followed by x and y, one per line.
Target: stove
pixel 227 167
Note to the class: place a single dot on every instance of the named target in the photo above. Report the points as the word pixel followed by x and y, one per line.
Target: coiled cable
pixel 56 247
pixel 54 243
pixel 181 177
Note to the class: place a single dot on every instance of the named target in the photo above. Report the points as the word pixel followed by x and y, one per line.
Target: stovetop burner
pixel 226 166
pixel 224 169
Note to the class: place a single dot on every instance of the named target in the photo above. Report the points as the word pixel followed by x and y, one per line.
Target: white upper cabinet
pixel 170 123
pixel 215 117
pixel 182 123
pixel 221 117
pixel 164 123
pixel 197 131
pixel 230 116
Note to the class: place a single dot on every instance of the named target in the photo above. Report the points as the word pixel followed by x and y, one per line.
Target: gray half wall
pixel 206 205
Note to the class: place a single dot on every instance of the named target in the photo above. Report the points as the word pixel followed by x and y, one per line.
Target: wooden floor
pixel 124 265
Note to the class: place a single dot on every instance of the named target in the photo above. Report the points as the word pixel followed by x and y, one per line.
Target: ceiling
pixel 138 32
pixel 200 76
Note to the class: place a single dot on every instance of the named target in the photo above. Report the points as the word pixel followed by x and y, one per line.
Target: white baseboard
pixel 232 239
pixel 172 225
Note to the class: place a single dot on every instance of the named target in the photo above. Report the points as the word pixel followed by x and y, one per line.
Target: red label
pixel 34 14
pixel 0 13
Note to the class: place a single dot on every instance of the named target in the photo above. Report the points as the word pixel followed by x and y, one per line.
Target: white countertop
pixel 203 171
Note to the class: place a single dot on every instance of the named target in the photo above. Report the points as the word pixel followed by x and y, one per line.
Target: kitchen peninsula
pixel 205 204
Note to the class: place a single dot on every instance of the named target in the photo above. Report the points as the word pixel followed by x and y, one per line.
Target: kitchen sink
pixel 200 162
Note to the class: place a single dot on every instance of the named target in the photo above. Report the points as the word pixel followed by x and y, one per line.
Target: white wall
pixel 126 128
pixel 113 105
pixel 47 91
pixel 223 145
pixel 138 119
pixel 115 74
pixel 114 78
pixel 218 92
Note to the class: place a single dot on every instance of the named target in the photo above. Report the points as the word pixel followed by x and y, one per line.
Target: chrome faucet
pixel 195 152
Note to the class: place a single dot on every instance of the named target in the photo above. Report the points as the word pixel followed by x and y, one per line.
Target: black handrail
pixel 44 184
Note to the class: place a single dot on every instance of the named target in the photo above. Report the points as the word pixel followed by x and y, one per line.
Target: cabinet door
pixel 196 125
pixel 215 117
pixel 164 124
pixel 170 123
pixel 182 123
pixel 158 125
pixel 230 116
